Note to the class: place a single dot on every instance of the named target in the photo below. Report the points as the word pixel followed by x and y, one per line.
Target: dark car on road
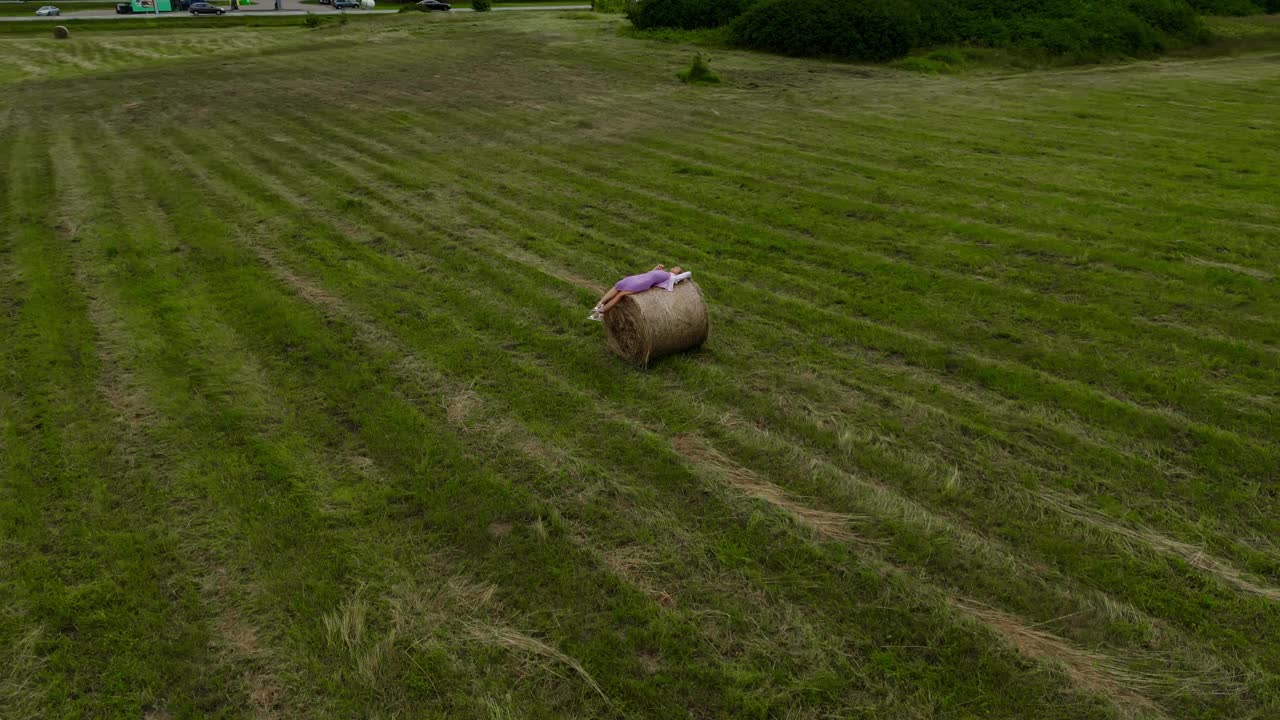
pixel 204 8
pixel 124 8
pixel 429 5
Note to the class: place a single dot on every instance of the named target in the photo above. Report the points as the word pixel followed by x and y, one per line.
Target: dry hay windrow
pixel 826 524
pixel 1194 556
pixel 1089 671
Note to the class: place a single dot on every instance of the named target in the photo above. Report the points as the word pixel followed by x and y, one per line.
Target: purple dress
pixel 640 283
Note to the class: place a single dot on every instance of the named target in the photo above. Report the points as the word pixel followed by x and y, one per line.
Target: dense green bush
pixel 887 29
pixel 1223 7
pixel 1234 7
pixel 1093 27
pixel 683 14
pixel 859 29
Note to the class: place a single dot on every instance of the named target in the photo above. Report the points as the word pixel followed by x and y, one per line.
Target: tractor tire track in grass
pixel 89 553
pixel 149 436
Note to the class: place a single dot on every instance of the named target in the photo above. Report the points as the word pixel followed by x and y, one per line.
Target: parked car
pixel 124 8
pixel 345 4
pixel 429 5
pixel 204 8
pixel 48 11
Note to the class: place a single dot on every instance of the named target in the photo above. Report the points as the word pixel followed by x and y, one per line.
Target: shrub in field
pixel 888 29
pixel 312 20
pixel 482 5
pixel 1235 7
pixel 857 29
pixel 1175 17
pixel 1107 32
pixel 683 14
pixel 699 71
pixel 1058 27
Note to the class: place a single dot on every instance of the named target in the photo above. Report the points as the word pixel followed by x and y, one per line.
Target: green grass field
pixel 300 414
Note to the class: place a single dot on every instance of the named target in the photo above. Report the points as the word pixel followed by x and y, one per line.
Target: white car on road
pixel 48 10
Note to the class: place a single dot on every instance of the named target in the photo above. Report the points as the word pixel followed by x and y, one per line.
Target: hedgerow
pixel 683 14
pixel 887 29
pixel 863 29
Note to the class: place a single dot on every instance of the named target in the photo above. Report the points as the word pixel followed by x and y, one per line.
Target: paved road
pixel 291 7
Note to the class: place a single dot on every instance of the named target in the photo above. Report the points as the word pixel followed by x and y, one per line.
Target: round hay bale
pixel 654 323
pixel 61 32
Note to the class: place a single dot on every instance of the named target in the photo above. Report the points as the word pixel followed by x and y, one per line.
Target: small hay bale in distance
pixel 61 32
pixel 655 323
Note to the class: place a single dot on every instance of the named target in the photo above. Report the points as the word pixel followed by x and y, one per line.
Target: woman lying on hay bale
pixel 659 276
pixel 642 325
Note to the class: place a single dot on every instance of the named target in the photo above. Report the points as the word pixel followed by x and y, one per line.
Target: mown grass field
pixel 300 415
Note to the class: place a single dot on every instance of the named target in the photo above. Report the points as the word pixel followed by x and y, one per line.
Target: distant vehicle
pixel 124 8
pixel 429 5
pixel 204 8
pixel 345 4
pixel 48 11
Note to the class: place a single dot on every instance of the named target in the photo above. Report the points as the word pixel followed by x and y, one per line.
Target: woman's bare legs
pixel 607 297
pixel 610 299
pixel 617 295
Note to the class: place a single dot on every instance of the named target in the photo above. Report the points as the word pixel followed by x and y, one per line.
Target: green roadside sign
pixel 150 6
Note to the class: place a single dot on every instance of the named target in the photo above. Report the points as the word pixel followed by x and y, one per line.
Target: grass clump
pixel 312 20
pixel 482 5
pixel 699 72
